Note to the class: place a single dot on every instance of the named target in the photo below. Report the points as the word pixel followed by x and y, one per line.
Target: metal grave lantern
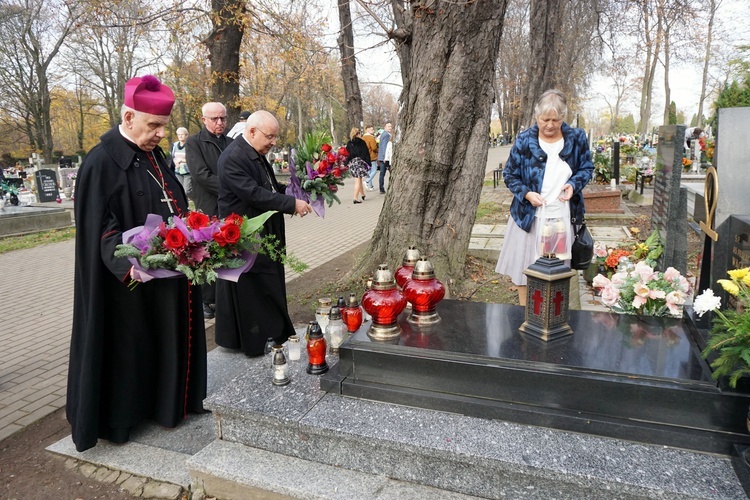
pixel 547 298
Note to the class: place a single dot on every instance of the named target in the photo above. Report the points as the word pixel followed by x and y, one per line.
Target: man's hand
pixel 302 208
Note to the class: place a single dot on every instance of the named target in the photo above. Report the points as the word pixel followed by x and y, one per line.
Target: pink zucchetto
pixel 148 95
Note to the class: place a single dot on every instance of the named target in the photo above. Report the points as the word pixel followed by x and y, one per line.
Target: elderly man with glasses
pixel 203 150
pixel 255 308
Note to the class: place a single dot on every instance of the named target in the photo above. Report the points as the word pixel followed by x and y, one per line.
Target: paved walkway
pixel 36 292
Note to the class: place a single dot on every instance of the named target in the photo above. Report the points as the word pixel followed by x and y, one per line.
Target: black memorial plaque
pixel 669 209
pixel 46 185
pixel 733 252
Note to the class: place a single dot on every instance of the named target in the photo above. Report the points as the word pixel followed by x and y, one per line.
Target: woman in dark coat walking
pixel 358 162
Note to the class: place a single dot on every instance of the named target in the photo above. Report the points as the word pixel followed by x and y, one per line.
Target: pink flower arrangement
pixel 644 291
pixel 200 247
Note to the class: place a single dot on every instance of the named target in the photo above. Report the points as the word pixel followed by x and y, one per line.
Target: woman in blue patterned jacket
pixel 548 166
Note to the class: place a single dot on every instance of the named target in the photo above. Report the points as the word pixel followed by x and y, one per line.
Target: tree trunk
pixel 667 89
pixel 709 37
pixel 223 45
pixel 544 27
pixel 352 95
pixel 440 157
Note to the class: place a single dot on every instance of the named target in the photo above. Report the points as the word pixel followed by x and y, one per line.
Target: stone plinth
pixel 602 200
pixel 476 362
pixel 22 220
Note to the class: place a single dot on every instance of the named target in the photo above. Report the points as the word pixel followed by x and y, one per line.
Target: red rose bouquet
pixel 200 247
pixel 317 170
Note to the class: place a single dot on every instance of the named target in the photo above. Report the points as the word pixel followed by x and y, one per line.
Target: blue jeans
pixel 371 174
pixel 384 165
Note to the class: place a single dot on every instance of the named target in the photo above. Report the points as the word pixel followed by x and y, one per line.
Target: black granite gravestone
pixel 669 210
pixel 732 251
pixel 46 185
pixel 629 377
pixel 732 222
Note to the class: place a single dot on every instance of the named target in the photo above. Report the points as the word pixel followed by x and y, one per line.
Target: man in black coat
pixel 253 309
pixel 134 354
pixel 202 151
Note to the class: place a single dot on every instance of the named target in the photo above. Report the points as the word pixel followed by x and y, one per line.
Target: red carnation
pixel 162 230
pixel 337 172
pixel 322 166
pixel 234 219
pixel 331 158
pixel 326 148
pixel 333 188
pixel 175 240
pixel 343 151
pixel 197 220
pixel 229 235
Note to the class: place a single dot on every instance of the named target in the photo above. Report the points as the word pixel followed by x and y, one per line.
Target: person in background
pixel 254 308
pixel 239 127
pixel 135 354
pixel 548 166
pixel 203 151
pixel 372 146
pixel 358 162
pixel 179 161
pixel 388 158
pixel 385 138
pixel 691 134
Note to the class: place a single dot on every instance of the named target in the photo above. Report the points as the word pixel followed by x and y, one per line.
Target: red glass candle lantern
pixel 384 302
pixel 560 238
pixel 316 350
pixel 403 273
pixel 424 292
pixel 352 314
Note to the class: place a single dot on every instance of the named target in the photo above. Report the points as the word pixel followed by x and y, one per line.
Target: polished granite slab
pixel 605 342
pixel 619 376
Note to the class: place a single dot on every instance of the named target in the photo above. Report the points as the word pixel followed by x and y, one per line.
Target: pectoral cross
pixel 166 198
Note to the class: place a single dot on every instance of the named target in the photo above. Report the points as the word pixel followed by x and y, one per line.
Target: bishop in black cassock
pixel 137 354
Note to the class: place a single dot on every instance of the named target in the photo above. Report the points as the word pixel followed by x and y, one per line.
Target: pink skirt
pixel 517 253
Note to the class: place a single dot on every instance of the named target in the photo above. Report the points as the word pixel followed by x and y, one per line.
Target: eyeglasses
pixel 216 118
pixel 268 136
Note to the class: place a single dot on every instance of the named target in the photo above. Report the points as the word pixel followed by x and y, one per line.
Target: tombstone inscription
pixel 669 209
pixel 46 185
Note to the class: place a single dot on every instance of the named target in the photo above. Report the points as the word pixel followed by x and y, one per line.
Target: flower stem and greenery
pixel 730 334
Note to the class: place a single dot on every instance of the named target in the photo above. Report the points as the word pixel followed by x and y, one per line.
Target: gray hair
pixel 181 130
pixel 124 109
pixel 551 100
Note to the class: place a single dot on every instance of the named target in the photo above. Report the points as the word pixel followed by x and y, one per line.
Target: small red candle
pixel 352 314
pixel 316 350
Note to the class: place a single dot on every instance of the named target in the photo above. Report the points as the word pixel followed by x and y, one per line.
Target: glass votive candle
pixel 294 347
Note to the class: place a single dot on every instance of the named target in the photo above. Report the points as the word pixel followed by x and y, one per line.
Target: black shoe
pixel 208 312
pixel 363 197
pixel 382 192
pixel 355 201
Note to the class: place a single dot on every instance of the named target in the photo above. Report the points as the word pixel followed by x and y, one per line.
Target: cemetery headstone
pixel 732 222
pixel 669 209
pixel 65 176
pixel 46 185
